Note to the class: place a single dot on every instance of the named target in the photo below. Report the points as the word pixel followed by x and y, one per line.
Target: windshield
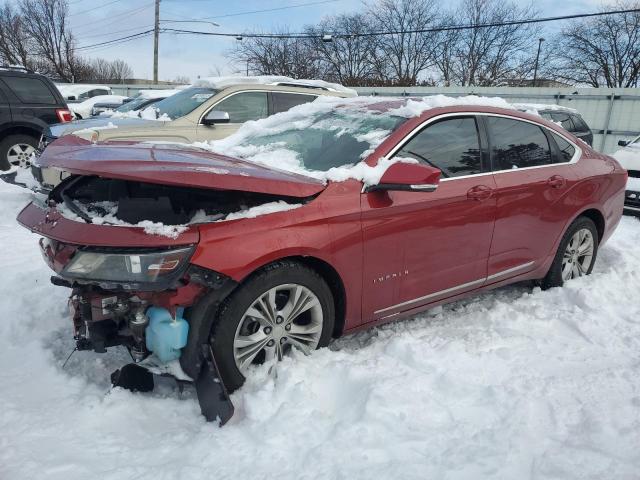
pixel 184 102
pixel 133 105
pixel 318 140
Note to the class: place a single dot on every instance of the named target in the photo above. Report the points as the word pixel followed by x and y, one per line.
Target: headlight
pixel 128 267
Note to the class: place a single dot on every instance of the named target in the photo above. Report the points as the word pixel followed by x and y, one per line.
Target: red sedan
pixel 379 209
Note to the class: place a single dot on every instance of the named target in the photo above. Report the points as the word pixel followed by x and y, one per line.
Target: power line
pixel 135 35
pixel 131 29
pixel 398 32
pixel 115 18
pixel 94 8
pixel 273 9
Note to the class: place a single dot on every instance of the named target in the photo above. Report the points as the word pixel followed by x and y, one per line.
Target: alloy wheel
pixel 578 255
pixel 284 317
pixel 19 155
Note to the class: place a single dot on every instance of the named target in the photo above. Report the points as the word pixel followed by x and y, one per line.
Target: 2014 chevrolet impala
pixel 334 216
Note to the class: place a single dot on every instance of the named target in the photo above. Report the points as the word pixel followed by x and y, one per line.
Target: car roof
pixel 221 83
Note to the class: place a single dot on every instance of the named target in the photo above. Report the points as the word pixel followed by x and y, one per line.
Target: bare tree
pixel 292 57
pixel 348 57
pixel 489 55
pixel 602 51
pixel 45 22
pixel 120 70
pixel 401 57
pixel 14 41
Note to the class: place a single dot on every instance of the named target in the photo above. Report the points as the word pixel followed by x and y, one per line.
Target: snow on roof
pixel 535 108
pixel 365 119
pixel 75 89
pixel 223 82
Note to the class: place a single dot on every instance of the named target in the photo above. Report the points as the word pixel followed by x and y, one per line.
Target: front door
pixel 421 247
pixel 241 107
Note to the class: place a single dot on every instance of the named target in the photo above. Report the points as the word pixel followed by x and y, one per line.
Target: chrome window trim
pixel 265 91
pixel 416 130
pixel 456 288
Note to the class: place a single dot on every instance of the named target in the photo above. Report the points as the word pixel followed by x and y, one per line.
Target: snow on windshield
pixel 328 138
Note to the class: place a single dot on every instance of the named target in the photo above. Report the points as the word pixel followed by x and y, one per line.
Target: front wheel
pixel 284 306
pixel 576 254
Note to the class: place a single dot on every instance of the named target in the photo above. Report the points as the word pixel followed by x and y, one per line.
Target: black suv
pixel 28 103
pixel 571 121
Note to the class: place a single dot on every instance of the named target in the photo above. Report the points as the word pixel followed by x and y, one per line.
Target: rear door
pixel 5 109
pixel 425 246
pixel 532 177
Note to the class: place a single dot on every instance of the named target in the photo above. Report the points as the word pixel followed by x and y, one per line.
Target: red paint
pixel 387 247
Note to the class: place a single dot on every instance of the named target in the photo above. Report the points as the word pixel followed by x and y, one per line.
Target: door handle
pixel 556 181
pixel 479 192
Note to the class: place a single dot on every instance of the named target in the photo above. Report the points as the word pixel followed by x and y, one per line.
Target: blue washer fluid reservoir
pixel 165 335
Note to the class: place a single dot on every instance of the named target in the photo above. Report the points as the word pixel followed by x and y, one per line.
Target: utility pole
pixel 156 35
pixel 535 68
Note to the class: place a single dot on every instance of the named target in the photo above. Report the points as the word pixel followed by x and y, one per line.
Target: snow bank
pixel 512 384
pixel 219 83
pixel 357 116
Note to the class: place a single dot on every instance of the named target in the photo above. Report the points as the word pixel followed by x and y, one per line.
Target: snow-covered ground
pixel 513 384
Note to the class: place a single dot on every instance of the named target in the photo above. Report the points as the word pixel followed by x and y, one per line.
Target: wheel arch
pixel 597 217
pixel 21 130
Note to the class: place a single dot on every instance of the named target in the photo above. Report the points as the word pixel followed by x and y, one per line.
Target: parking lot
pixel 517 383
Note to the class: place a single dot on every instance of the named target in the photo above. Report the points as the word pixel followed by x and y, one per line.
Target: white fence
pixel 612 113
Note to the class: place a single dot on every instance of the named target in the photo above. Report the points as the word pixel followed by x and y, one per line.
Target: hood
pixel 172 164
pixel 60 129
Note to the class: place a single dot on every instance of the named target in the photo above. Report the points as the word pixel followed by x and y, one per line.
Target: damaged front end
pixel 121 233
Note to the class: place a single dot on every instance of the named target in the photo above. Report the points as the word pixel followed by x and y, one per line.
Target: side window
pixel 284 101
pixel 517 144
pixel 565 149
pixel 243 107
pixel 30 90
pixel 565 121
pixel 452 145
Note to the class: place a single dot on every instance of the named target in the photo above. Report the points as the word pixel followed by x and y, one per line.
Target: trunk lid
pixel 171 164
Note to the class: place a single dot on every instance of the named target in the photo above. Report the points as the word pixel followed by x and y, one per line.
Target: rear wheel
pixel 16 151
pixel 284 306
pixel 576 254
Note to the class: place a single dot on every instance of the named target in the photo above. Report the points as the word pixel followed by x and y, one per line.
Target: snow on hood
pixel 84 108
pixel 629 158
pixel 224 82
pixel 369 120
pixel 60 129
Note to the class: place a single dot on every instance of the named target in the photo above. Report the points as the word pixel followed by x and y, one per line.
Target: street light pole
pixel 535 68
pixel 156 35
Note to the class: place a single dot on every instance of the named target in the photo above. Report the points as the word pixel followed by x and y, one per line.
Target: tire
pixel 15 144
pixel 555 276
pixel 234 324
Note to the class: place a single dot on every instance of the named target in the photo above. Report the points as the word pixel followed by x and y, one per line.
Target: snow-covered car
pixel 629 158
pixel 331 217
pixel 569 118
pixel 144 99
pixel 83 109
pixel 211 109
pixel 79 92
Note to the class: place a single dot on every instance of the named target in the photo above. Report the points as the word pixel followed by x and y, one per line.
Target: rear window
pixel 565 120
pixel 517 144
pixel 30 90
pixel 284 101
pixel 580 124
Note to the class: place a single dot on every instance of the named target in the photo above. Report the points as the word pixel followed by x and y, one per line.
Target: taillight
pixel 64 115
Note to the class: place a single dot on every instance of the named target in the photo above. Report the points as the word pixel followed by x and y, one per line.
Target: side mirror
pixel 71 97
pixel 408 177
pixel 215 116
pixel 622 143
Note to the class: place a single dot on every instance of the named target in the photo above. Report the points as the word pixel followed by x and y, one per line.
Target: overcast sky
pixel 95 21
